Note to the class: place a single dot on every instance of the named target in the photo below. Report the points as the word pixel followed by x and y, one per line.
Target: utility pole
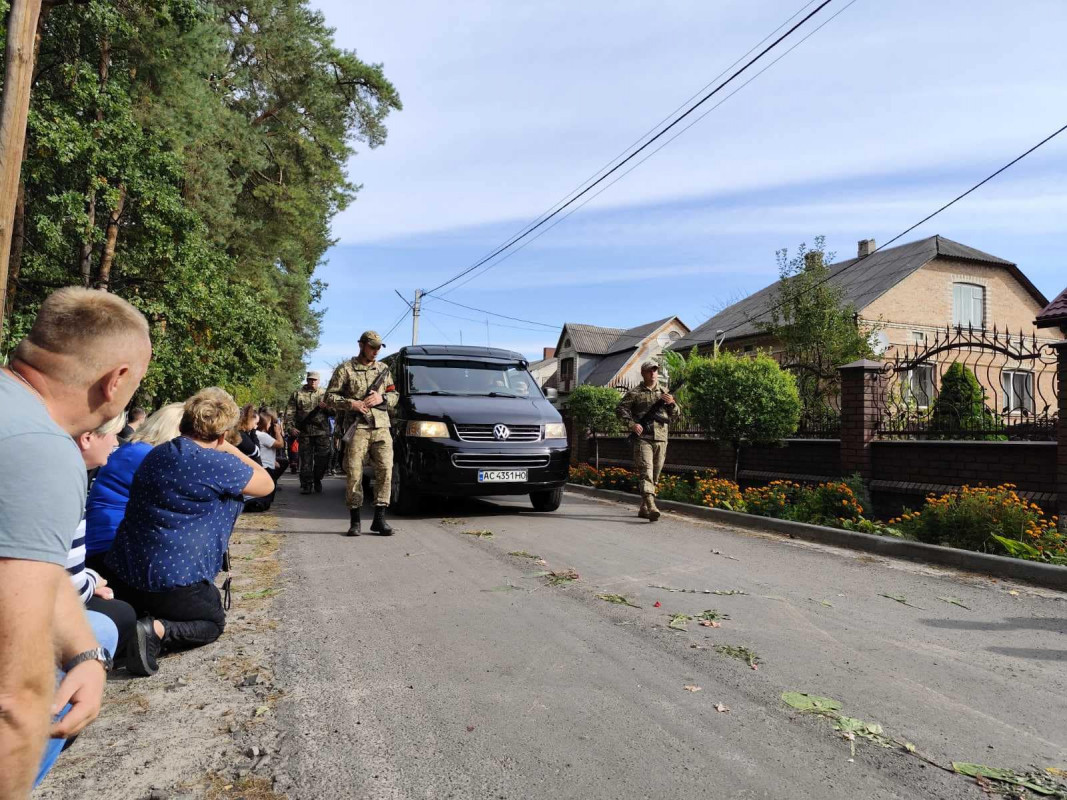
pixel 415 316
pixel 18 77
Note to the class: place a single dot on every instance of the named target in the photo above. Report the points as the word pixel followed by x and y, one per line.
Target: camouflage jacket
pixel 351 380
pixel 638 401
pixel 304 414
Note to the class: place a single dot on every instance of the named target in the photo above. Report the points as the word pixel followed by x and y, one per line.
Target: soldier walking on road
pixel 307 414
pixel 364 387
pixel 649 440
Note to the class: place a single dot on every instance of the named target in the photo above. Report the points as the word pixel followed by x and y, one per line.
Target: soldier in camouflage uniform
pixel 370 428
pixel 650 442
pixel 309 417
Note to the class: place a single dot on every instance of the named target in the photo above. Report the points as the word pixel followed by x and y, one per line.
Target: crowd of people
pixel 114 525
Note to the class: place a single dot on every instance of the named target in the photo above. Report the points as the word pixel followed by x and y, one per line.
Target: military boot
pixel 353 526
pixel 305 488
pixel 318 487
pixel 380 526
pixel 653 512
pixel 642 512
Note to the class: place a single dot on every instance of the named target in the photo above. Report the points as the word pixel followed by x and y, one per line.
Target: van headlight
pixel 555 430
pixel 427 429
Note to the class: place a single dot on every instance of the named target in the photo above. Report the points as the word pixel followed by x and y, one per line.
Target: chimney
pixel 866 247
pixel 550 352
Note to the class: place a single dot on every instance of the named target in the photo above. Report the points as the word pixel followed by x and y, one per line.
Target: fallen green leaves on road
pixel 562 576
pixel 260 594
pixel 453 521
pixel 742 653
pixel 802 701
pixel 678 621
pixel 523 554
pixel 902 600
pixel 729 592
pixel 675 589
pixel 954 601
pixel 618 599
pixel 1043 784
pixel 479 534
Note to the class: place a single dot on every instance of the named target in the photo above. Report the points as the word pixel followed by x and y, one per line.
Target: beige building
pixel 611 356
pixel 914 295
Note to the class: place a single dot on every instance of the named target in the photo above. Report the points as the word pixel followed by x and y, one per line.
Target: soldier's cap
pixel 649 365
pixel 313 376
pixel 372 338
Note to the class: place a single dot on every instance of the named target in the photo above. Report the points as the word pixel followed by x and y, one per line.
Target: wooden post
pixel 15 106
pixel 861 411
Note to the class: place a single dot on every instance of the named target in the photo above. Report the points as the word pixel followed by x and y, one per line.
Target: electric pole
pixel 415 316
pixel 18 76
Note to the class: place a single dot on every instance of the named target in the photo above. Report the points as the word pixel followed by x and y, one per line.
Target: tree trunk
pixel 103 278
pixel 737 462
pixel 85 250
pixel 14 107
pixel 18 239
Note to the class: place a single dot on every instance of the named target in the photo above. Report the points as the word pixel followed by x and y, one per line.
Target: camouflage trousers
pixel 648 463
pixel 377 444
pixel 314 457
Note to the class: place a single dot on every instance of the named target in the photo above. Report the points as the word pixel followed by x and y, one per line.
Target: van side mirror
pixel 552 394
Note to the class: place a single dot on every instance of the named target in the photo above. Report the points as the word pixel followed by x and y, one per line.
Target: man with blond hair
pixel 79 366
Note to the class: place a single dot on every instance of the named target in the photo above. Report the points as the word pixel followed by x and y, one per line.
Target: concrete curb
pixel 1048 576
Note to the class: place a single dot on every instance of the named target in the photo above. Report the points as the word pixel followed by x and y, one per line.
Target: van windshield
pixel 469 378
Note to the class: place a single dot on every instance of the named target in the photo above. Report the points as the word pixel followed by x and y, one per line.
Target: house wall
pixel 649 349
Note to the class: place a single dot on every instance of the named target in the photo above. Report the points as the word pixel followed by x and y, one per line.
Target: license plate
pixel 501 475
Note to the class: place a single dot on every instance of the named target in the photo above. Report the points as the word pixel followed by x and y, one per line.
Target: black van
pixel 473 421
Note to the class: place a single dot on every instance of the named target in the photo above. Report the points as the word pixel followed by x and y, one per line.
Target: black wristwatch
pixel 96 654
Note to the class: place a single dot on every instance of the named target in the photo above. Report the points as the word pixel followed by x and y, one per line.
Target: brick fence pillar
pixel 1061 438
pixel 861 411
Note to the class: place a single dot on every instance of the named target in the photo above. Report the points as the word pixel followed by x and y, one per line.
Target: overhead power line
pixel 618 178
pixel 907 230
pixel 495 313
pixel 530 229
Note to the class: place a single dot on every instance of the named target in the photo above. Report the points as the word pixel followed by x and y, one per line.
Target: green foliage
pixel 741 399
pixel 593 408
pixel 816 329
pixel 959 411
pixel 211 141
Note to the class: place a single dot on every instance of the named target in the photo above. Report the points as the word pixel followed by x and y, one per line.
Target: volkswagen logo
pixel 501 433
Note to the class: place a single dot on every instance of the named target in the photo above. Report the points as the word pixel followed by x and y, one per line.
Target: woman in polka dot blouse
pixel 168 549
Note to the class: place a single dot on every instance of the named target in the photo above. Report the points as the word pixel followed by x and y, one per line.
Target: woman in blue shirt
pixel 184 501
pixel 110 491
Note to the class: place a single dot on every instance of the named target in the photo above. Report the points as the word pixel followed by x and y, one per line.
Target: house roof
pixel 597 341
pixel 608 367
pixel 861 286
pixel 1055 313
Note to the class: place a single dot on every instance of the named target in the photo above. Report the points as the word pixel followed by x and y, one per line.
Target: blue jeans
pixel 107 635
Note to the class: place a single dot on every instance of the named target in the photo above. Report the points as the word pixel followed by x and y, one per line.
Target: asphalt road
pixel 433 664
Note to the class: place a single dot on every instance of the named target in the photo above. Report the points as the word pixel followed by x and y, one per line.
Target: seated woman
pixel 97 596
pixel 110 491
pixel 184 502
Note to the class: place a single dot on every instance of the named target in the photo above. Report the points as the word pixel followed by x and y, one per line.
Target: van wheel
pixel 405 498
pixel 548 500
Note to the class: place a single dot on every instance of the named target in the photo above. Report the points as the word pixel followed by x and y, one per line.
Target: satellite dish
pixel 879 343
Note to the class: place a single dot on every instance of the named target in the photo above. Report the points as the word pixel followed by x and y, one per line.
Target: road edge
pixel 1048 576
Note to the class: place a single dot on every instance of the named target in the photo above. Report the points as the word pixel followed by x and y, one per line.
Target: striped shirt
pixel 84 579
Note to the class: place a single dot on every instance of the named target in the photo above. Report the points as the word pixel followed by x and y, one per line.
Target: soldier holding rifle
pixel 307 414
pixel 647 411
pixel 363 386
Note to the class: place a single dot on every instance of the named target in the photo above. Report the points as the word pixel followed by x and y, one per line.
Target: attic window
pixel 567 342
pixel 968 305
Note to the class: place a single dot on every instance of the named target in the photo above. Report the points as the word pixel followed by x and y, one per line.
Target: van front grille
pixel 499 461
pixel 488 433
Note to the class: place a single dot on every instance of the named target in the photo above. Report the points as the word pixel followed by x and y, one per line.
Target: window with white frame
pixel 919 386
pixel 968 305
pixel 1017 391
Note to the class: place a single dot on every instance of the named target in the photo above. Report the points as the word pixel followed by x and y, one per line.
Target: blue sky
pixel 882 116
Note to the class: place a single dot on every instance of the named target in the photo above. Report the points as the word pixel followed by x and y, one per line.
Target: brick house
pixel 910 294
pixel 611 356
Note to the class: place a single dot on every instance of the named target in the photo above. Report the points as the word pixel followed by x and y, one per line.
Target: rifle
pixel 302 423
pixel 375 386
pixel 654 414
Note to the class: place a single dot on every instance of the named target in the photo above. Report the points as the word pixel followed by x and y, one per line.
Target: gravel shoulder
pixel 204 725
pixel 435 664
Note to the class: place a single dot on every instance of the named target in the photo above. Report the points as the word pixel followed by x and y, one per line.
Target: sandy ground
pixel 204 725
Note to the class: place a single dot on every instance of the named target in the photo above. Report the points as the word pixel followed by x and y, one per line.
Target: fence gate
pixel 1015 397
